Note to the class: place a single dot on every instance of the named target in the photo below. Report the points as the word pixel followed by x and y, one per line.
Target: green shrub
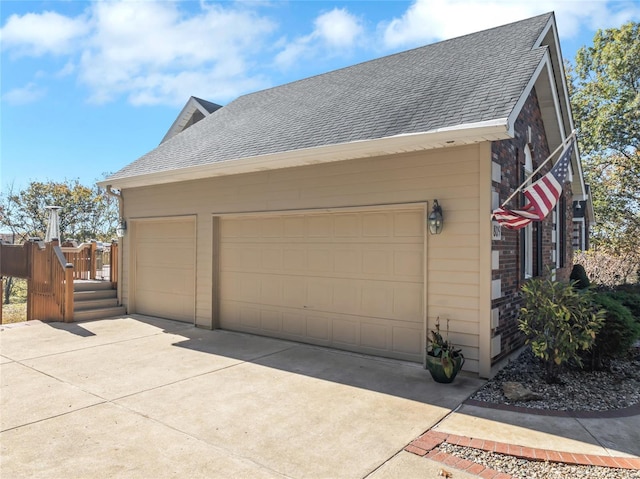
pixel 558 321
pixel 618 333
pixel 630 300
pixel 579 276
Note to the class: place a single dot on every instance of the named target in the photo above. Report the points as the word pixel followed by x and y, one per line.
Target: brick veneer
pixel 510 271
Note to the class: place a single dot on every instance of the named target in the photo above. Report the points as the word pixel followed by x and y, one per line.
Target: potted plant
pixel 443 359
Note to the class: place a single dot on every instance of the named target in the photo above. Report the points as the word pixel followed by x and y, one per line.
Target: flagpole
pixel 566 140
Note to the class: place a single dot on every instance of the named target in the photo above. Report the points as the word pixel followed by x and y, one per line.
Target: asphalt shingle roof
pixel 474 78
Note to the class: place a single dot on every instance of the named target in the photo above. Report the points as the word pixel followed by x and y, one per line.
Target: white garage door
pixel 165 268
pixel 350 280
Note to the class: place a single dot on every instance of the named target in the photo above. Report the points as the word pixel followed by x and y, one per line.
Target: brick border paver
pixel 427 446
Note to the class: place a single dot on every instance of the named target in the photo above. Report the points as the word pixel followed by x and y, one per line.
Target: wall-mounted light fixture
pixel 121 228
pixel 436 221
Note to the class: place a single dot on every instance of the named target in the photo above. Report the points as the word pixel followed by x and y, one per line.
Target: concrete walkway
pixel 139 397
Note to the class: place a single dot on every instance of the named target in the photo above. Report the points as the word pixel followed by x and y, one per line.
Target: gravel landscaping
pixel 618 387
pixel 524 469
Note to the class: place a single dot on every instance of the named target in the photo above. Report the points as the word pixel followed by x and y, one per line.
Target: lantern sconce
pixel 121 228
pixel 435 220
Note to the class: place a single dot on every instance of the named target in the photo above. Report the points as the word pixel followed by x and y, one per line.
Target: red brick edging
pixel 427 444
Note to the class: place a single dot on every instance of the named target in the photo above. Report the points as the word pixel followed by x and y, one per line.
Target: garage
pixel 164 268
pixel 348 279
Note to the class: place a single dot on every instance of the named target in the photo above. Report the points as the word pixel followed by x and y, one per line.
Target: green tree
pixel 86 213
pixel 604 86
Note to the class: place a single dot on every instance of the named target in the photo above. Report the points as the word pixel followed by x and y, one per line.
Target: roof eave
pixel 471 133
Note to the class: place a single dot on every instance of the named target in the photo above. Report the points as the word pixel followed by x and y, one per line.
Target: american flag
pixel 541 196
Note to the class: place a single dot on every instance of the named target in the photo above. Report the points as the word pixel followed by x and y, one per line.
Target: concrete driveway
pixel 148 398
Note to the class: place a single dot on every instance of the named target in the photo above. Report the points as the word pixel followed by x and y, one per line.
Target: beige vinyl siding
pixel 451 175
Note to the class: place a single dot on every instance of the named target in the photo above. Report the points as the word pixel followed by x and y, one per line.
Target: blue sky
pixel 88 87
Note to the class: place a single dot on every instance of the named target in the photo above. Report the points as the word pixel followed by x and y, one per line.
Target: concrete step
pixel 93 295
pixel 99 313
pixel 99 303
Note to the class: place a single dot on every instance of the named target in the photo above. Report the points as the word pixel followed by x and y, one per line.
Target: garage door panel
pixel 163 279
pixel 346 333
pixel 168 305
pixel 376 262
pixel 352 280
pixel 292 326
pixel 406 340
pixel 294 292
pixel 385 299
pixel 375 336
pixel 164 255
pixel 399 339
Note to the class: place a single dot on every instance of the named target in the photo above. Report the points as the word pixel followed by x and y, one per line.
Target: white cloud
pixel 68 69
pixel 141 50
pixel 430 20
pixel 29 93
pixel 38 34
pixel 337 30
pixel 137 46
pixel 160 52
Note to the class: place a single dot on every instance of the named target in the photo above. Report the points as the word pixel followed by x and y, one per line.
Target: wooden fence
pixel 93 261
pixel 49 278
pixel 50 271
pixel 50 287
pixel 14 260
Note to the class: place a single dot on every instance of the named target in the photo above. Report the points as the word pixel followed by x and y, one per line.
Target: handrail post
pixel 29 246
pixel 113 266
pixel 68 292
pixel 92 259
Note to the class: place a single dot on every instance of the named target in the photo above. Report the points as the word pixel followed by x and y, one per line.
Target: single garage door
pixel 351 280
pixel 165 268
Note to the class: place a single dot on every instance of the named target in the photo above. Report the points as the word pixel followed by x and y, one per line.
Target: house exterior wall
pixel 508 274
pixel 453 264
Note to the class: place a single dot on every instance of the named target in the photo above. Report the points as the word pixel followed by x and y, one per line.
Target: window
pixel 526 239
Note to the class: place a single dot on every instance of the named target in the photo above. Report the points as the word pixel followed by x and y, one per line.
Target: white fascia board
pixel 513 116
pixel 184 116
pixel 556 52
pixel 458 135
pixel 547 65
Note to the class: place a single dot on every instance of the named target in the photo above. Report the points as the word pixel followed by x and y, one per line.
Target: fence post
pixel 29 245
pixel 68 293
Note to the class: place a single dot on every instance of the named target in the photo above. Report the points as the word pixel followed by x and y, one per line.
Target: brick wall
pixel 510 156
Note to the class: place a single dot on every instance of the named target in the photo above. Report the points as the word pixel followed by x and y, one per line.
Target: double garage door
pixel 349 280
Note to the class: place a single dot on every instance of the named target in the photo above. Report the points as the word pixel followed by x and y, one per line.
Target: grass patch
pixel 14 313
pixel 16 310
